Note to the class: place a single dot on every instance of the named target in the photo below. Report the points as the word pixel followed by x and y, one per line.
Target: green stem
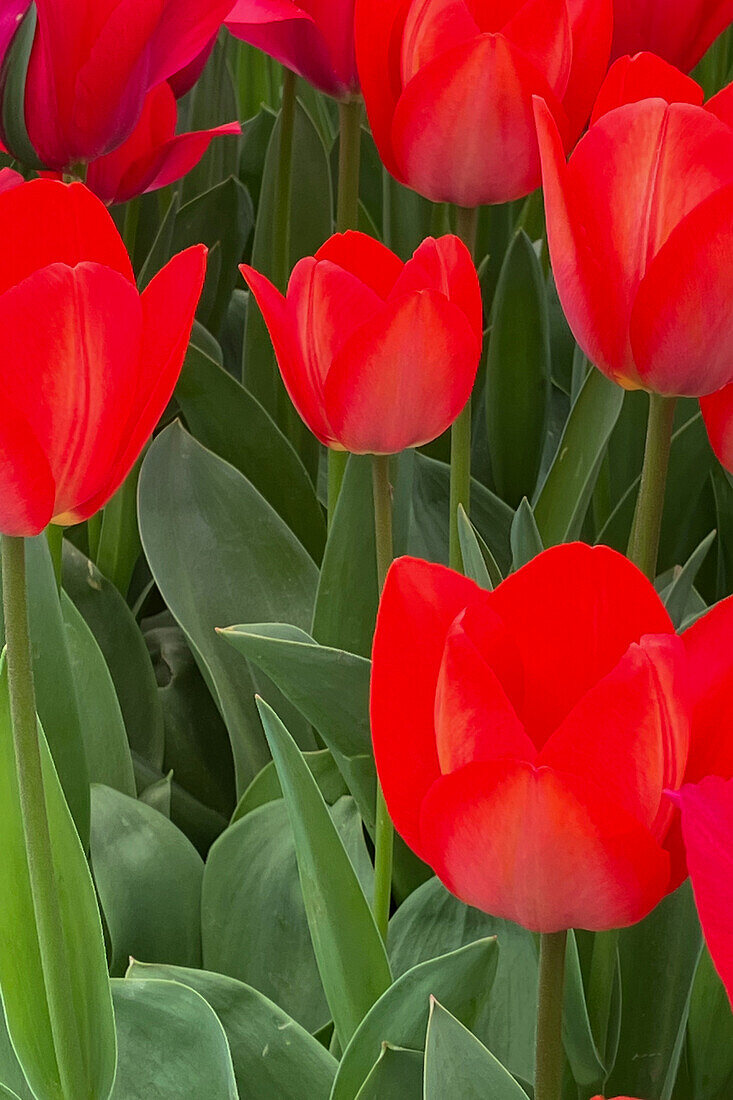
pixel 41 869
pixel 550 1061
pixel 460 459
pixel 646 530
pixel 281 226
pixel 129 229
pixel 55 540
pixel 384 833
pixel 94 533
pixel 347 217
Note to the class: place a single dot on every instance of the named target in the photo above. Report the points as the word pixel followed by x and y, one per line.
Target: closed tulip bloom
pixel 154 155
pixel 448 86
pixel 377 355
pixel 525 737
pixel 89 363
pixel 680 31
pixel 314 38
pixel 93 63
pixel 640 229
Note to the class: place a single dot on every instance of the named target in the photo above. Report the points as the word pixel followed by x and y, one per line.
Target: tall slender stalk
pixel 646 530
pixel 281 225
pixel 384 834
pixel 41 869
pixel 460 461
pixel 550 1060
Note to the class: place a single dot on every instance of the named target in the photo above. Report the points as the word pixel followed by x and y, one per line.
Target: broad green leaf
pixel 119 540
pixel 119 638
pixel 458 1064
pixel 562 502
pixel 23 979
pixel 254 924
pixel 518 373
pixel 396 1075
pixel 149 880
pixel 103 728
pixel 348 596
pixel 228 420
pixel 158 795
pixel 274 1058
pixel 161 248
pixel 200 823
pixel 461 980
pixel 474 562
pixel 10 1072
pixel 15 74
pixel 171 1044
pixel 432 922
pixel 349 951
pixel 265 787
pixel 659 957
pixel 526 539
pixel 677 595
pixel 220 554
pixel 583 1056
pixel 329 687
pixel 212 102
pixel 710 1035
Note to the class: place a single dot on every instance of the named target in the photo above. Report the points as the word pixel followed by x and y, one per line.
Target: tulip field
pixel 366 542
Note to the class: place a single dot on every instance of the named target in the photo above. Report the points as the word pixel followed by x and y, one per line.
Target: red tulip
pixel 640 228
pixel 93 62
pixel 376 355
pixel 89 364
pixel 9 179
pixel 154 155
pixel 448 86
pixel 680 31
pixel 524 737
pixel 707 827
pixel 183 81
pixel 314 38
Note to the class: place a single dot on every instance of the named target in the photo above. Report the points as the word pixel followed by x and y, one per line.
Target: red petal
pixel 707 827
pixel 419 603
pixel 361 255
pixel 378 40
pixel 541 30
pixel 591 22
pixel 645 76
pixel 709 646
pixel 630 734
pixel 680 31
pixel 431 28
pixel 573 612
pixel 477 98
pixel 445 265
pixel 27 489
pixel 46 222
pixel 721 105
pixel 717 412
pixel 402 378
pixel 541 848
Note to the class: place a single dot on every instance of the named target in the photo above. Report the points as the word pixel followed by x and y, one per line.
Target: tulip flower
pixel 314 38
pixel 448 87
pixel 183 81
pixel 93 63
pixel 640 229
pixel 680 31
pixel 89 363
pixel 154 155
pixel 525 737
pixel 376 355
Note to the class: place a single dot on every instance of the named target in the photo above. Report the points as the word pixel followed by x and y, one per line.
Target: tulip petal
pixel 445 265
pixel 541 848
pixel 717 412
pixel 709 646
pixel 11 17
pixel 365 257
pixel 476 98
pixel 630 734
pixel 27 489
pixel 168 308
pixel 681 324
pixel 46 222
pixel 541 30
pixel 378 37
pixel 707 828
pixel 403 377
pixel 680 31
pixel 645 76
pixel 419 603
pixel 573 612
pixel 431 28
pixel 721 105
pixel 591 22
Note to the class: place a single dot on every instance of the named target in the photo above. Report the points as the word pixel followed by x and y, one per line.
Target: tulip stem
pixel 130 227
pixel 39 852
pixel 281 227
pixel 384 832
pixel 550 1060
pixel 460 458
pixel 647 526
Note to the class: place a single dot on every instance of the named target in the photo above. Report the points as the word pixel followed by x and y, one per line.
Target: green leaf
pixel 161 249
pixel 103 729
pixel 348 595
pixel 274 1058
pixel 252 896
pixel 580 1047
pixel 461 980
pixel 563 500
pixel 14 79
pixel 10 1071
pixel 457 1064
pixel 677 595
pixel 212 102
pixel 216 409
pixel 220 553
pixel 526 539
pixel 119 540
pixel 518 373
pixel 351 958
pixel 265 787
pixel 432 922
pixel 22 976
pixel 329 687
pixel 149 880
pixel 710 1035
pixel 396 1075
pixel 475 560
pixel 119 638
pixel 171 1044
